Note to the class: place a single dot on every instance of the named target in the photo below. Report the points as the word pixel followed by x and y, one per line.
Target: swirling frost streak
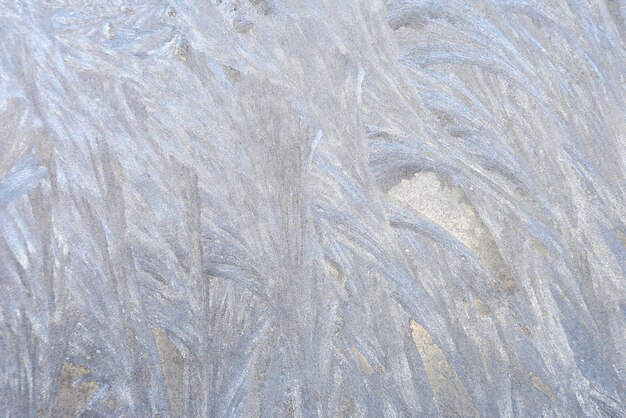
pixel 195 217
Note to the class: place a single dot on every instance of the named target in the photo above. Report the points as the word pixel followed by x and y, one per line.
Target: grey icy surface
pixel 313 208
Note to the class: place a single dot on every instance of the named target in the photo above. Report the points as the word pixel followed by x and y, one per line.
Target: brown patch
pixel 363 363
pixel 335 271
pixel 182 50
pixel 173 366
pixel 233 74
pixel 541 386
pixel 73 390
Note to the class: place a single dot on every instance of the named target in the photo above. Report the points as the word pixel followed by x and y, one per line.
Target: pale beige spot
pixel 111 405
pixel 363 363
pixel 539 247
pixel 335 271
pixel 261 6
pixel 453 399
pixel 482 308
pixel 241 23
pixel 261 372
pixel 172 364
pixel 182 50
pixel 72 392
pixel 448 206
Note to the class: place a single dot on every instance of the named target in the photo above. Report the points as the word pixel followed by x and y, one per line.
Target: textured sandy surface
pixel 313 208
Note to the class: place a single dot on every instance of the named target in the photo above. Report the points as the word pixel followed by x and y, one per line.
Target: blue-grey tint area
pixel 312 208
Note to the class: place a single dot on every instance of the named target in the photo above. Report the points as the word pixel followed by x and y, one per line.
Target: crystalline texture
pixel 312 208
